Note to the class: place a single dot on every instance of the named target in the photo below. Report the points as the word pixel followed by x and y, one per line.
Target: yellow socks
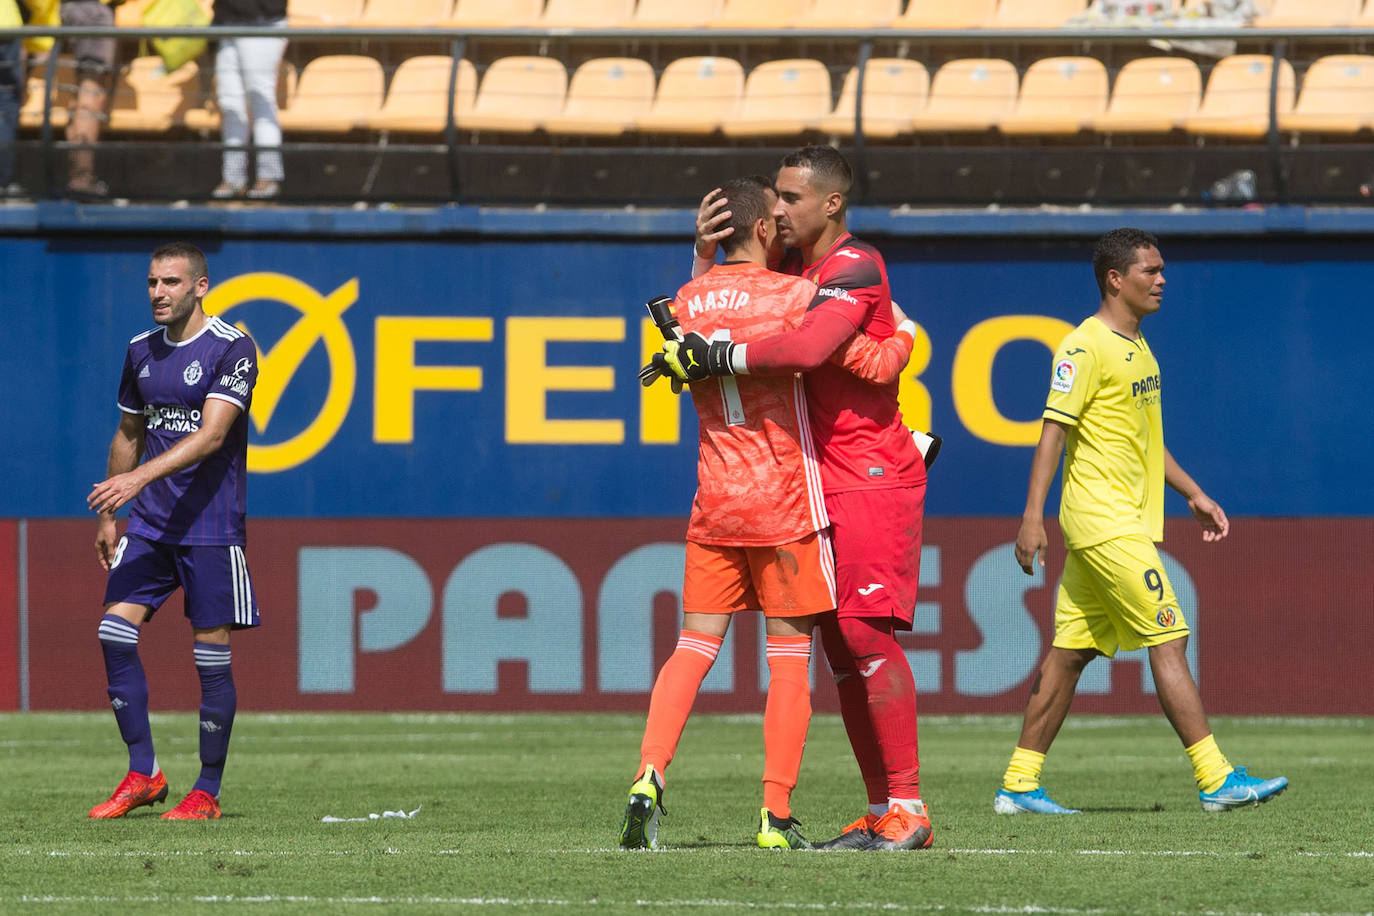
pixel 1023 773
pixel 1210 766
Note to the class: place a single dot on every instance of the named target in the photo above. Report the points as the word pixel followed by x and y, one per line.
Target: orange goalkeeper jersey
pixel 758 481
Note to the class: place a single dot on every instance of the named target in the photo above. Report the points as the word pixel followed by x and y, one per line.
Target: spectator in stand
pixel 246 74
pixel 11 85
pixel 95 61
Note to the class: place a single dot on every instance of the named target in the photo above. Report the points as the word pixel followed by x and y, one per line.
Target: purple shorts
pixel 214 578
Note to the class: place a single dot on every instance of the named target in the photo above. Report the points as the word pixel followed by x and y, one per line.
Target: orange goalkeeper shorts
pixel 789 580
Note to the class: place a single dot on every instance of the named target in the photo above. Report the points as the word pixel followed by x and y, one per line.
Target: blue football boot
pixel 1032 802
pixel 1241 789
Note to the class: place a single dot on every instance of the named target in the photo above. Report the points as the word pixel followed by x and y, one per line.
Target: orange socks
pixel 785 719
pixel 675 691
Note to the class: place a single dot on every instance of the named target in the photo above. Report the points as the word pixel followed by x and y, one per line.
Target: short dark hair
pixel 829 169
pixel 749 203
pixel 193 255
pixel 1117 251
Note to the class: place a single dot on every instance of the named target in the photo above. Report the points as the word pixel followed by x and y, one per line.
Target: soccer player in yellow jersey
pixel 1104 407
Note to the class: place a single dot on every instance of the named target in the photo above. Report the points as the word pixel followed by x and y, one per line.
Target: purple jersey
pixel 168 382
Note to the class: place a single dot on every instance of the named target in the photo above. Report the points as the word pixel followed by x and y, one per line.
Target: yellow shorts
pixel 1115 595
pixel 789 580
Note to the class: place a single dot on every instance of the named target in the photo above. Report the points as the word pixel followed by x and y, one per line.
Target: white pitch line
pixel 1030 909
pixel 668 850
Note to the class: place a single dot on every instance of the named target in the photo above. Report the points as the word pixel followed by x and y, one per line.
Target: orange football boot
pixel 856 836
pixel 199 805
pixel 901 829
pixel 135 791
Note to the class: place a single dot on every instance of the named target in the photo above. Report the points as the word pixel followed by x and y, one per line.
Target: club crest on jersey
pixel 1064 372
pixel 192 373
pixel 1165 618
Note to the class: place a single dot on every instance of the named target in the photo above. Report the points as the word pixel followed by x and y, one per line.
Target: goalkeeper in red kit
pixel 872 473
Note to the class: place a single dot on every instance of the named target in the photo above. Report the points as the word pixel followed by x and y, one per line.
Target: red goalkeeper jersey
pixel 859 433
pixel 758 481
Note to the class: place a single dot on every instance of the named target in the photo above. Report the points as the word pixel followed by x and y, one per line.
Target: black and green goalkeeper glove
pixel 695 358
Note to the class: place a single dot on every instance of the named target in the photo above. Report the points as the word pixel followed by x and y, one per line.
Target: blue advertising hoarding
pixel 495 376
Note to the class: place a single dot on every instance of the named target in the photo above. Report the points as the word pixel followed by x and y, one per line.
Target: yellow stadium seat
pixel 849 14
pixel 517 94
pixel 418 92
pixel 146 98
pixel 946 14
pixel 1302 14
pixel 1036 14
pixel 496 14
pixel 384 14
pixel 335 94
pixel 130 13
pixel 1337 96
pixel 894 90
pixel 1153 95
pixel 1059 95
pixel 969 94
pixel 1236 103
pixel 781 98
pixel 674 14
pixel 206 118
pixel 760 14
pixel 586 14
pixel 695 94
pixel 323 12
pixel 64 82
pixel 605 97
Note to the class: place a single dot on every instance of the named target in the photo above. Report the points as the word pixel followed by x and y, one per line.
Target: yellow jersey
pixel 1105 387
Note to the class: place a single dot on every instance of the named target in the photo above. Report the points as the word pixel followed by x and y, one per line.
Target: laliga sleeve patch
pixel 1064 372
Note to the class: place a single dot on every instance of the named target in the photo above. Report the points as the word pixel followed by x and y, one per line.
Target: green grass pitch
pixel 521 813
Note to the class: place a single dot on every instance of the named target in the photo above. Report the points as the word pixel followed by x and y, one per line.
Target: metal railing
pixel 458 42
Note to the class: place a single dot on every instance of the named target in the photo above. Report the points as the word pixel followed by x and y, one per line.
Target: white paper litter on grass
pixel 374 816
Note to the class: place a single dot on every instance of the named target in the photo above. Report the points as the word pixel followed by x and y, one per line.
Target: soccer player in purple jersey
pixel 184 397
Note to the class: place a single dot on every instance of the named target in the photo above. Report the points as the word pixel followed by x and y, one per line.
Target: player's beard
pixel 178 310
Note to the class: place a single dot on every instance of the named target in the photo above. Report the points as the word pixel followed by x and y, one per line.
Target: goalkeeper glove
pixel 658 368
pixel 695 358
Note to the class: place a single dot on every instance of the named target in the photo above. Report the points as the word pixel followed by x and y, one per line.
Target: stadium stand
pixel 206 118
pixel 517 94
pixel 760 14
pixel 147 99
pixel 1236 103
pixel 1152 95
pixel 1303 14
pixel 323 12
pixel 1059 95
pixel 971 94
pixel 586 14
pixel 493 14
pixel 894 90
pixel 336 93
pixel 418 92
pixel 605 97
pixel 849 14
pixel 380 14
pixel 31 113
pixel 1337 96
pixel 781 99
pixel 674 14
pixel 130 13
pixel 695 94
pixel 946 14
pixel 1035 14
